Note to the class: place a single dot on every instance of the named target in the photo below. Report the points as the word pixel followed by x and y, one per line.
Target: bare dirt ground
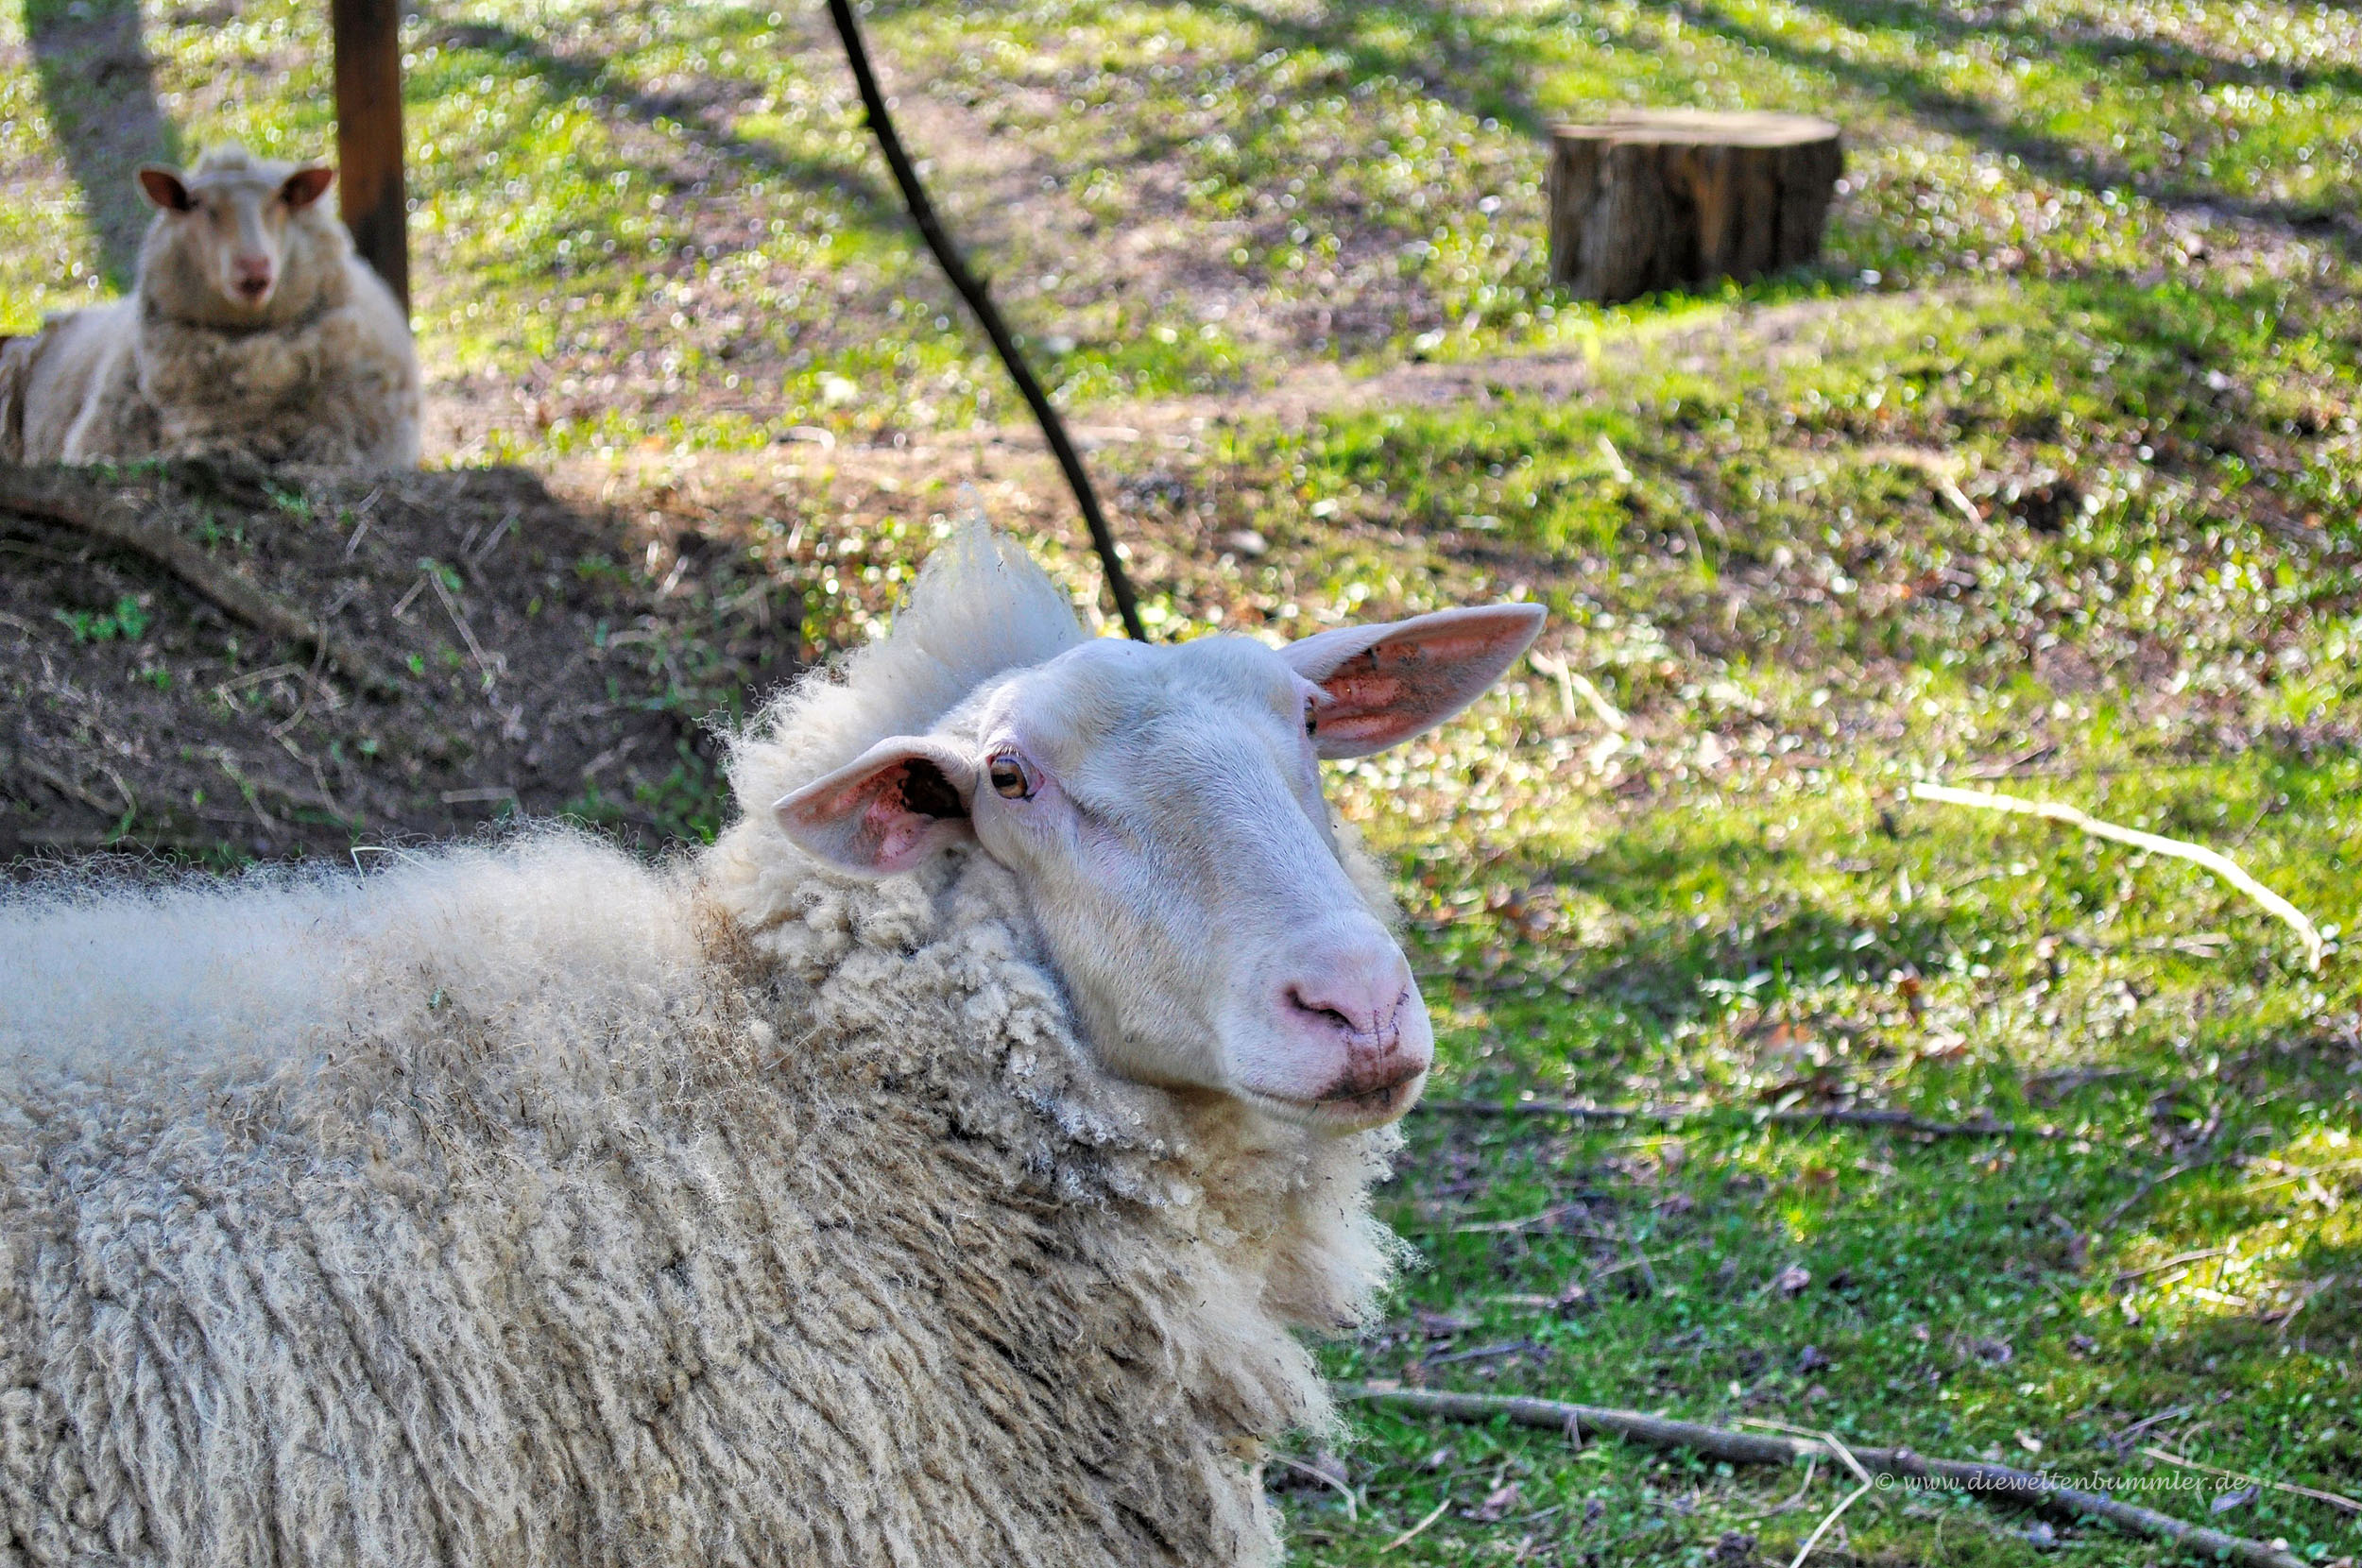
pixel 545 653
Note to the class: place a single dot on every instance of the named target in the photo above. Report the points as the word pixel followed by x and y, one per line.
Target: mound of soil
pixel 523 654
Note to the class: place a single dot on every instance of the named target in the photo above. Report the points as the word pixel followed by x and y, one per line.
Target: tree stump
pixel 1668 199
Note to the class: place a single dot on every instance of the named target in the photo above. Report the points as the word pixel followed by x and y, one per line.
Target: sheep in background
pixel 253 331
pixel 932 1171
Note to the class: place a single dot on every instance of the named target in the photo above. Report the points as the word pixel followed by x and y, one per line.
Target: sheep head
pixel 1162 807
pixel 228 235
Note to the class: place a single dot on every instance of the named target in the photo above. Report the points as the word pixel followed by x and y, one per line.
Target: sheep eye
pixel 1008 779
pixel 1311 721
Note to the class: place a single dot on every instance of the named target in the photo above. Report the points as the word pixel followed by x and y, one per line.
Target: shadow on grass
pixel 1917 92
pixel 1463 56
pixel 2093 47
pixel 698 116
pixel 1479 60
pixel 1674 967
pixel 98 84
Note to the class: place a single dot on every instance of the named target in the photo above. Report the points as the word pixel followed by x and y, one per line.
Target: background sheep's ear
pixel 1387 683
pixel 899 802
pixel 306 185
pixel 163 188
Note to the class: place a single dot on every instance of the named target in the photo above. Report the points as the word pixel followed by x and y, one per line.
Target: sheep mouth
pixel 253 291
pixel 1348 1111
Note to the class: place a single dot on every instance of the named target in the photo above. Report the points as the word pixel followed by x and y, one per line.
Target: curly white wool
pixel 530 1205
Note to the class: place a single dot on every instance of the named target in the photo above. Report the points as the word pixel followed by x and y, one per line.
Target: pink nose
pixel 252 276
pixel 1359 999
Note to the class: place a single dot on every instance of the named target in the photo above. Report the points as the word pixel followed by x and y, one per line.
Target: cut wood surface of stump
pixel 1671 199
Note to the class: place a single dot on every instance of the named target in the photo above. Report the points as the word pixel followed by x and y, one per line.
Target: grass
pixel 2046 478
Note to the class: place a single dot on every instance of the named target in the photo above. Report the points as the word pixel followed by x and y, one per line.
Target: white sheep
pixel 253 331
pixel 930 1173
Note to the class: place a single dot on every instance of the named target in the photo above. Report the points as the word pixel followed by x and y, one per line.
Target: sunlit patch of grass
pixel 1729 905
pixel 623 206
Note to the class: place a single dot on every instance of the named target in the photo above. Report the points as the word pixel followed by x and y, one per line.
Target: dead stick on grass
pixel 1836 1445
pixel 2171 1173
pixel 1720 1442
pixel 2335 1500
pixel 1353 1507
pixel 117 518
pixel 2180 849
pixel 1898 1121
pixel 1416 1530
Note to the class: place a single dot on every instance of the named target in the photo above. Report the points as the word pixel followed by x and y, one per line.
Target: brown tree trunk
pixel 1671 199
pixel 367 38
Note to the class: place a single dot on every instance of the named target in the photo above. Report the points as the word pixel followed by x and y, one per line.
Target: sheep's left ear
pixel 306 186
pixel 898 803
pixel 1384 684
pixel 165 188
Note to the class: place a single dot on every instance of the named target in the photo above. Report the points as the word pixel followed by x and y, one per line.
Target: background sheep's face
pixel 231 225
pixel 1162 806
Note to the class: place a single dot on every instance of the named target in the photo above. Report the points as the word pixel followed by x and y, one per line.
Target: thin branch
pixel 2180 849
pixel 2129 1275
pixel 1353 1508
pixel 1822 1529
pixel 2122 1441
pixel 2133 1200
pixel 1720 1442
pixel 117 517
pixel 922 213
pixel 64 783
pixel 2335 1500
pixel 1416 1530
pixel 1898 1121
pixel 1829 1441
pixel 1812 1468
pixel 1647 1271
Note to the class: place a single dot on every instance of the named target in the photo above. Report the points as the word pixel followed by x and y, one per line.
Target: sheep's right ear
pixel 306 186
pixel 165 188
pixel 898 803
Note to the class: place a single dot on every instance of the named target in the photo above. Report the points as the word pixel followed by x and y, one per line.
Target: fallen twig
pixel 1898 1121
pixel 2335 1500
pixel 1812 1468
pixel 2048 1088
pixel 483 661
pixel 1835 1445
pixel 1526 1222
pixel 117 517
pixel 2181 849
pixel 2122 1441
pixel 2311 1289
pixel 1416 1530
pixel 1720 1443
pixel 58 779
pixel 2134 1199
pixel 1827 1522
pixel 2129 1275
pixel 1483 1352
pixel 1647 1271
pixel 255 785
pixel 1353 1507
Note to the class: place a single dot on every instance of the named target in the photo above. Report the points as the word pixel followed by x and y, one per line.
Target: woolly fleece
pixel 328 378
pixel 529 1205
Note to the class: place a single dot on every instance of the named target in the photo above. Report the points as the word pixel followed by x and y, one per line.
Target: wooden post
pixel 368 136
pixel 1671 199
